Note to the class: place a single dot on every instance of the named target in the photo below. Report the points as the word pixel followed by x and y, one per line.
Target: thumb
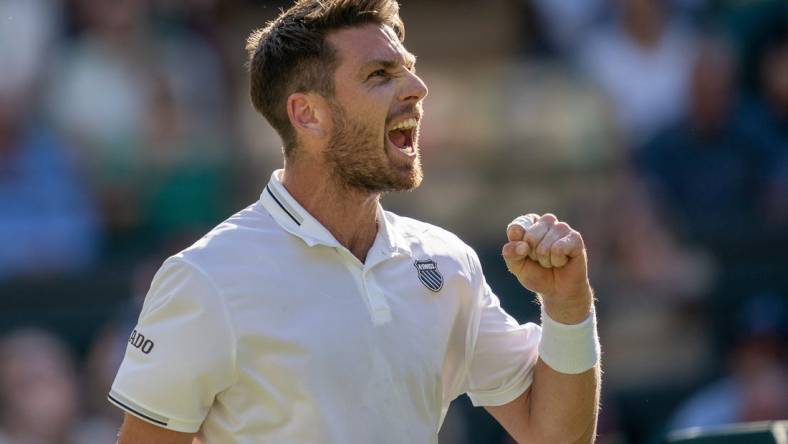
pixel 514 253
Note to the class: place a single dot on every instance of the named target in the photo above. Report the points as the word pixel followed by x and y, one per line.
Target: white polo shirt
pixel 267 330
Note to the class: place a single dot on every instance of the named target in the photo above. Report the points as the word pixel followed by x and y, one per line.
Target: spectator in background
pixel 755 387
pixel 98 89
pixel 187 173
pixel 642 62
pixel 566 21
pixel 710 172
pixel 48 221
pixel 768 115
pixel 100 82
pixel 713 175
pixel 39 401
pixel 146 104
pixel 27 34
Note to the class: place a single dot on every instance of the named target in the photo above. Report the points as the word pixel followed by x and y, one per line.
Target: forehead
pixel 359 45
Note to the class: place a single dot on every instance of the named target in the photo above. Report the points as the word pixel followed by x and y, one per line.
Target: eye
pixel 378 73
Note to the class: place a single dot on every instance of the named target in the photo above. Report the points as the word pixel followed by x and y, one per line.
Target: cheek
pixel 375 96
pixel 374 116
pixel 376 107
pixel 370 106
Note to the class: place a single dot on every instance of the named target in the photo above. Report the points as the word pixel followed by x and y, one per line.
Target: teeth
pixel 405 124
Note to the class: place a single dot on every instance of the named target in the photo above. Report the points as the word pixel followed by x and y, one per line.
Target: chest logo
pixel 429 274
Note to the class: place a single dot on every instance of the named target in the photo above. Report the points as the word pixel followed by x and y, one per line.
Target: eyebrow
pixel 409 61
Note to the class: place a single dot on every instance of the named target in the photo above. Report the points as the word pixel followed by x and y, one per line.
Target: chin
pixel 411 179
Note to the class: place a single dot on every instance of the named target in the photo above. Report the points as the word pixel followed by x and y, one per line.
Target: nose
pixel 414 89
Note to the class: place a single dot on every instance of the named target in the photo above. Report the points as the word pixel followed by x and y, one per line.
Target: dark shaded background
pixel 657 128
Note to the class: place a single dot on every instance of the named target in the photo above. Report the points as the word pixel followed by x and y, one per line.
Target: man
pixel 313 316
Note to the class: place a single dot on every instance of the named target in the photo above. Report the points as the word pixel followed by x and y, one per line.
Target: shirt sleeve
pixel 502 353
pixel 180 355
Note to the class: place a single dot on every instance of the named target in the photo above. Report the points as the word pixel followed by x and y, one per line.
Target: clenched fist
pixel 548 257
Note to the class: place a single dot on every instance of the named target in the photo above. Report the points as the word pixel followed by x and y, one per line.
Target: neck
pixel 349 214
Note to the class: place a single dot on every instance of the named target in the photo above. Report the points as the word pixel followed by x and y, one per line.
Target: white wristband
pixel 571 349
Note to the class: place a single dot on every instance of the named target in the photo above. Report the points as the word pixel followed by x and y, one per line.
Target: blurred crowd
pixel 659 128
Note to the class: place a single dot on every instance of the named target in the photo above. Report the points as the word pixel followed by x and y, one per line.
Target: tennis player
pixel 315 316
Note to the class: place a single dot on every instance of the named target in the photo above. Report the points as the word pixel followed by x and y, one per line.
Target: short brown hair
pixel 290 54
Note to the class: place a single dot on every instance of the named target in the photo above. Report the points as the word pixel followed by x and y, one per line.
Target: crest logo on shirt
pixel 429 274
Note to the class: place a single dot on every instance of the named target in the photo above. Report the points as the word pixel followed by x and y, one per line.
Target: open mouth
pixel 401 135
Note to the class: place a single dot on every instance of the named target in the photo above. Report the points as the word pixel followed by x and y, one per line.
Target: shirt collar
pixel 293 218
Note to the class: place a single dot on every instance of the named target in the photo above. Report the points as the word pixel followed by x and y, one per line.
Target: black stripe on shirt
pixel 142 415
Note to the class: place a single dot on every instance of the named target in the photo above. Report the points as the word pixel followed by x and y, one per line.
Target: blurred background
pixel 657 128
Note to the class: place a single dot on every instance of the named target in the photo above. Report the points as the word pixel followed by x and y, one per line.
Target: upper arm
pixel 513 416
pixel 181 353
pixel 137 431
pixel 502 354
pixel 502 358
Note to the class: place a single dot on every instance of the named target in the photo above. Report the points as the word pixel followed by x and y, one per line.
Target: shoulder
pixel 239 248
pixel 230 242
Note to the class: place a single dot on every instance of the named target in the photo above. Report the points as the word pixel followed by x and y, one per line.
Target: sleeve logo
pixel 138 340
pixel 429 274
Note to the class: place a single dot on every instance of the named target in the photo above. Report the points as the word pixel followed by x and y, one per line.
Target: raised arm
pixel 561 406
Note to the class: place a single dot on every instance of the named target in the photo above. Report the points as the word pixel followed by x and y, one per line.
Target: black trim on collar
pixel 282 206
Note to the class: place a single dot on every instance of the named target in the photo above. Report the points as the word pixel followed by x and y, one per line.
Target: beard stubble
pixel 359 160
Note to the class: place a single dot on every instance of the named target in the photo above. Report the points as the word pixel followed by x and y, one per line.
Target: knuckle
pixel 542 228
pixel 575 239
pixel 563 226
pixel 549 217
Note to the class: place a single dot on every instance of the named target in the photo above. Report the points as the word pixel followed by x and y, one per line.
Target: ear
pixel 308 114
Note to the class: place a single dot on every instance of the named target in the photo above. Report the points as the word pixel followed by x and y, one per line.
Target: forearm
pixel 563 407
pixel 565 399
